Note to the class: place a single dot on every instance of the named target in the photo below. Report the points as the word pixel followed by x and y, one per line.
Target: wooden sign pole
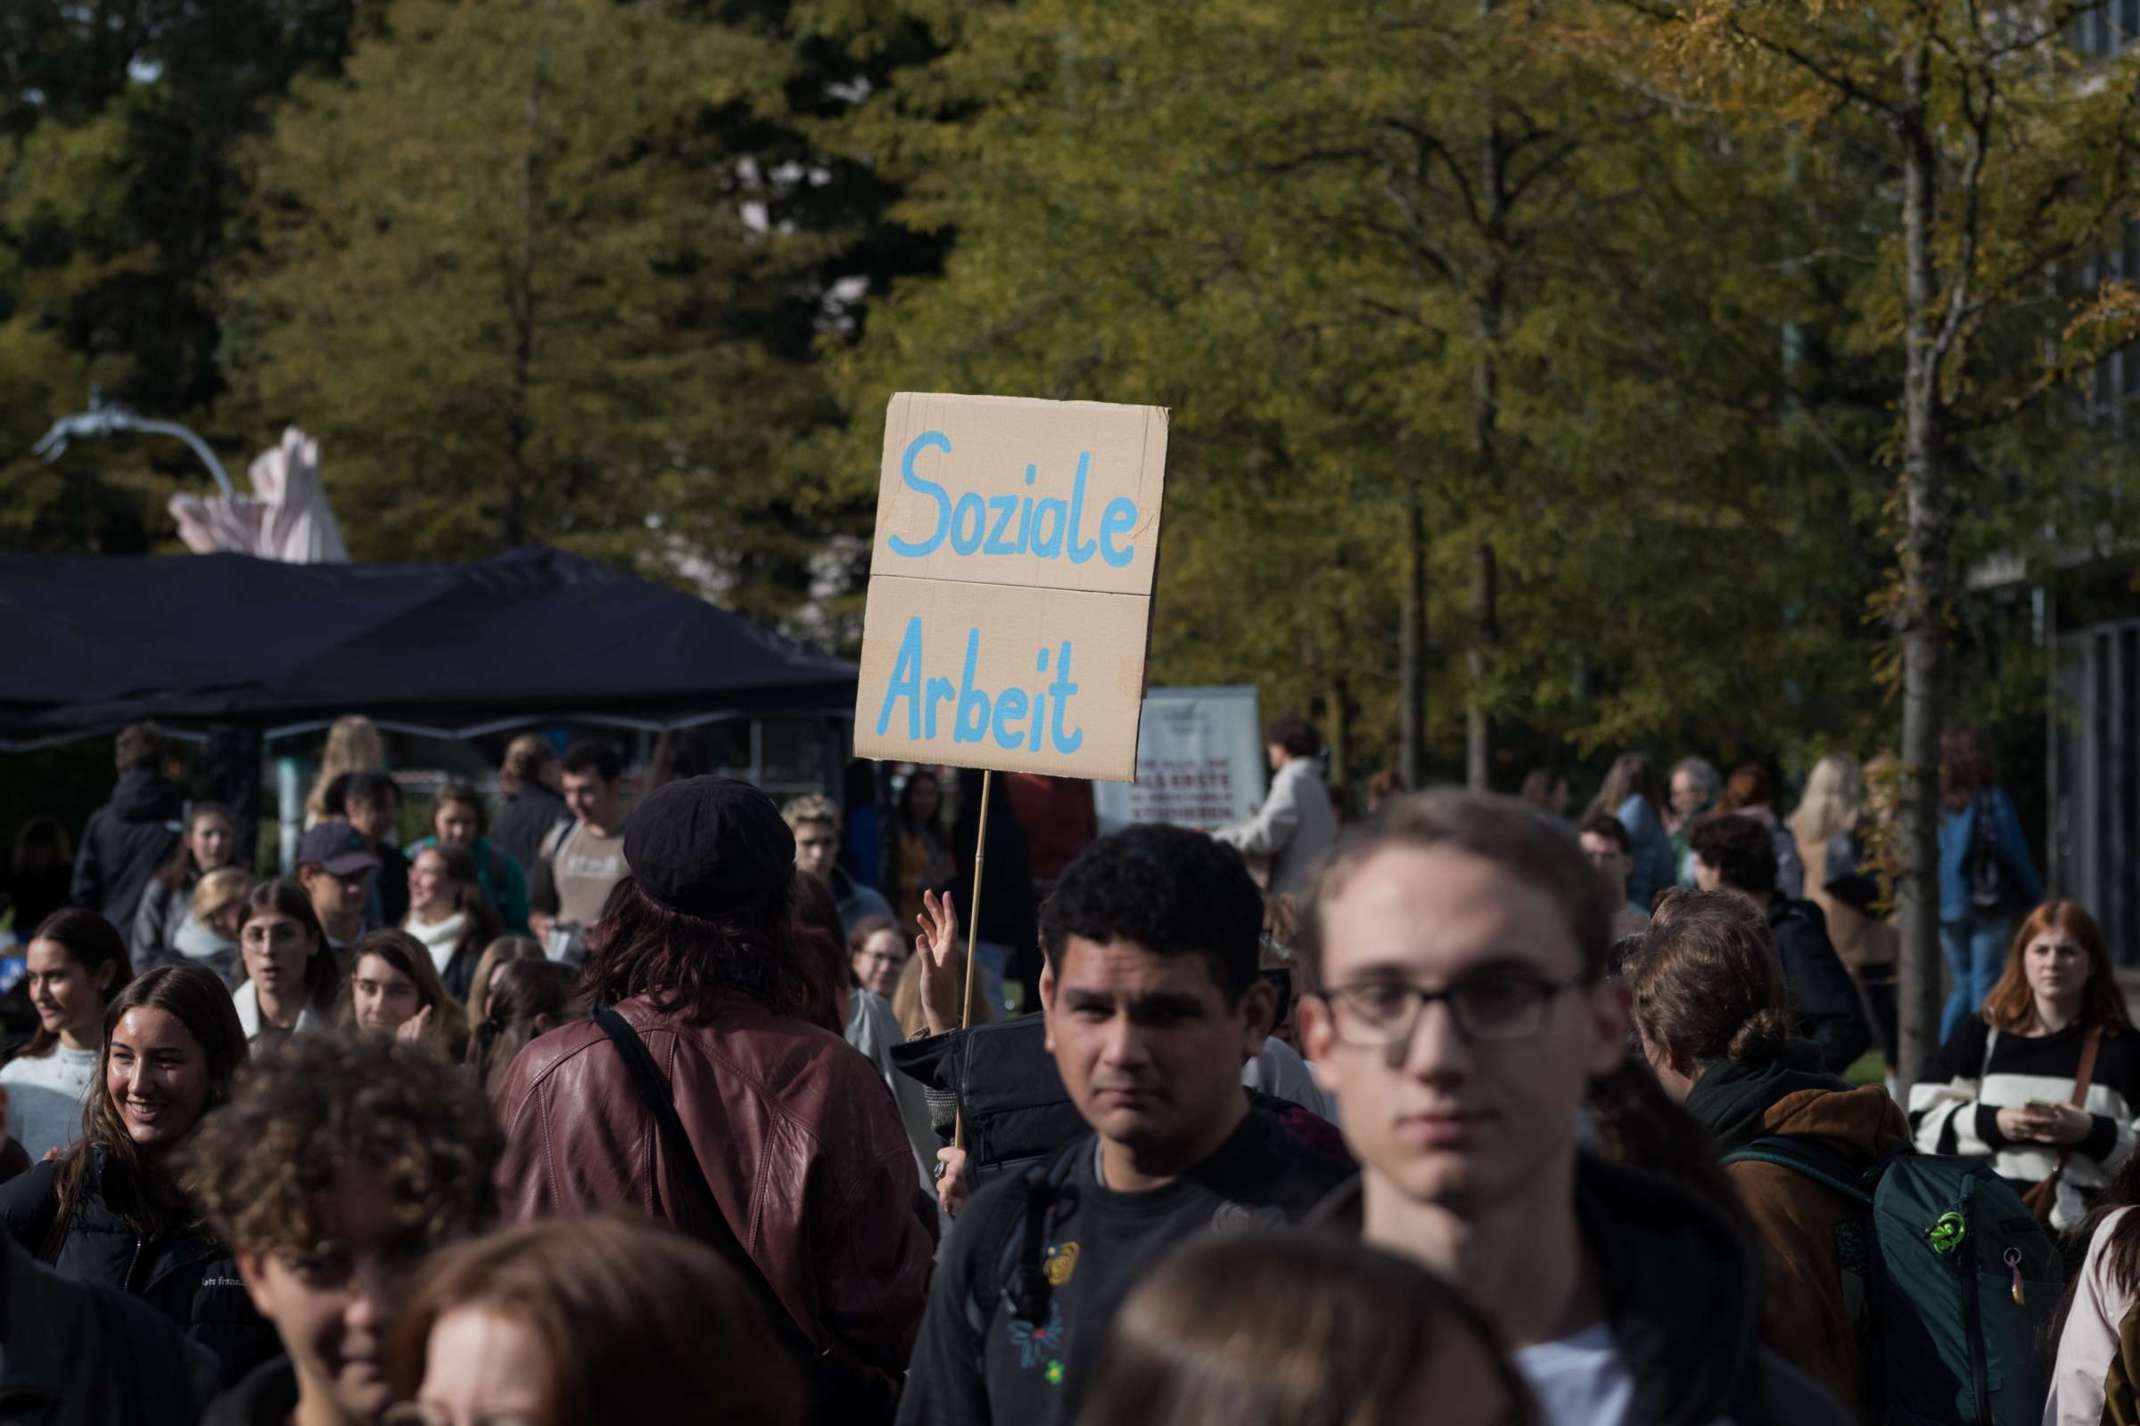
pixel 973 932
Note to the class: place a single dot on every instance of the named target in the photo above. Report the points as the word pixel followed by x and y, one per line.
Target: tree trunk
pixel 1340 739
pixel 1487 307
pixel 520 302
pixel 1478 751
pixel 1920 612
pixel 1412 643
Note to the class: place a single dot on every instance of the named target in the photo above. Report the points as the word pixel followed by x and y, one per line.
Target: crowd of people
pixel 667 1102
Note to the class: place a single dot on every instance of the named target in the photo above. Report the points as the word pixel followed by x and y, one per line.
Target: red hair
pixel 2011 1002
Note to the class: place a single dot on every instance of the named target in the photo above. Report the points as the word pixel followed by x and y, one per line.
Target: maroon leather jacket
pixel 795 1131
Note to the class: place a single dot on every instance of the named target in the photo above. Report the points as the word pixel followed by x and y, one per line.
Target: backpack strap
pixel 1809 1158
pixel 659 1099
pixel 1021 1266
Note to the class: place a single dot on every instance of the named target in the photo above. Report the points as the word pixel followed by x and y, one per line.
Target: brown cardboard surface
pixel 1009 629
pixel 969 458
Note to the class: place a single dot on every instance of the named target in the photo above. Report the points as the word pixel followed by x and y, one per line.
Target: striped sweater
pixel 1978 1072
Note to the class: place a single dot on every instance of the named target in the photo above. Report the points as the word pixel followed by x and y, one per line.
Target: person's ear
pixel 1259 1015
pixel 1605 1011
pixel 1047 1003
pixel 543 1023
pixel 105 973
pixel 1311 1018
pixel 252 1271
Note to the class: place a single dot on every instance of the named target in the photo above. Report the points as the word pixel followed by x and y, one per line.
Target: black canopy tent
pixel 195 642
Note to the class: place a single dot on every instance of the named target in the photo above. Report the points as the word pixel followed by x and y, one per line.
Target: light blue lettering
pixel 1040 706
pixel 940 691
pixel 1049 545
pixel 1006 508
pixel 1064 690
pixel 1011 704
pixel 907 549
pixel 1120 514
pixel 972 701
pixel 905 682
pixel 962 542
pixel 1080 553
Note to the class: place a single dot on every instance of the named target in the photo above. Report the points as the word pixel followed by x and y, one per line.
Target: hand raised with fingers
pixel 413 1028
pixel 942 964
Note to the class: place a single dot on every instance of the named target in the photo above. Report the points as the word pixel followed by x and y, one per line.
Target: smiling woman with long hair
pixel 76 964
pixel 112 1210
pixel 2053 1030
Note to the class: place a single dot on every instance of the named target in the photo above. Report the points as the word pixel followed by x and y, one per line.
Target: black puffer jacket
pixel 75 1355
pixel 186 1275
pixel 126 840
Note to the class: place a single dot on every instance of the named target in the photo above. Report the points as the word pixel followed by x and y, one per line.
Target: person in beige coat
pixel 1296 827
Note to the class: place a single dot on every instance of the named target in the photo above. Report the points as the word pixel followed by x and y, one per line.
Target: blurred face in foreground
pixel 480 1366
pixel 1462 1103
pixel 333 1303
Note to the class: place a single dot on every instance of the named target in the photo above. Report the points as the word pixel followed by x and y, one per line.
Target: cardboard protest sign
pixel 1010 584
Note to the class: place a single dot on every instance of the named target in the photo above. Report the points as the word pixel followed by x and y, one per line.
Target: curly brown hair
pixel 262 1164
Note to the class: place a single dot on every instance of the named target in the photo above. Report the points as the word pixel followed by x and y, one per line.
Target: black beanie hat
pixel 709 847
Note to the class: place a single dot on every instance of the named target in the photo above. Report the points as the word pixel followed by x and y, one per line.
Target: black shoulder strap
pixel 1025 1275
pixel 655 1093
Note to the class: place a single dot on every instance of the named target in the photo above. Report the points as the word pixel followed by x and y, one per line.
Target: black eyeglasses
pixel 1381 1013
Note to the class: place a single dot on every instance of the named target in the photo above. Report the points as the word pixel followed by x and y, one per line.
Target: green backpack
pixel 1949 1277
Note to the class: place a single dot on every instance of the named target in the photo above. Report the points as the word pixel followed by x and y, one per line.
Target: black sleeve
pixel 947 1383
pixel 2102 1140
pixel 29 1204
pixel 1988 1128
pixel 1828 1004
pixel 1962 1057
pixel 88 886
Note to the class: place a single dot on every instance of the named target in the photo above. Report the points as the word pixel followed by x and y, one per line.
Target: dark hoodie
pixel 1804 1318
pixel 1682 1298
pixel 266 1397
pixel 126 840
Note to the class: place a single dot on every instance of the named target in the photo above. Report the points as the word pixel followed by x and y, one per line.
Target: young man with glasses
pixel 1462 943
pixel 1153 1003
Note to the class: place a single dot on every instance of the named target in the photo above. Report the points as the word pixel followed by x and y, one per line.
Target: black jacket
pixel 1830 1012
pixel 186 1275
pixel 76 1355
pixel 126 840
pixel 521 820
pixel 266 1397
pixel 1682 1299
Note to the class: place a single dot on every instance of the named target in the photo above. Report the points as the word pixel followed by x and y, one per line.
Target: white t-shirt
pixel 1581 1380
pixel 45 1095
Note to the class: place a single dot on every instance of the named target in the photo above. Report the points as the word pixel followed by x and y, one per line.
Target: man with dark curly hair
pixel 334 1171
pixel 1153 1002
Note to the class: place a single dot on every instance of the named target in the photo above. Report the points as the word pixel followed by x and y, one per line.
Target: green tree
pixel 558 270
pixel 2013 161
pixel 1433 301
pixel 118 196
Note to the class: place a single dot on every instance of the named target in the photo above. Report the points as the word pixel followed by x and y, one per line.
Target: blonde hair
pixel 219 890
pixel 354 744
pixel 1835 796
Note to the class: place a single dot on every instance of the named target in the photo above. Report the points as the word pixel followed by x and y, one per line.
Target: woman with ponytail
pixel 1710 1012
